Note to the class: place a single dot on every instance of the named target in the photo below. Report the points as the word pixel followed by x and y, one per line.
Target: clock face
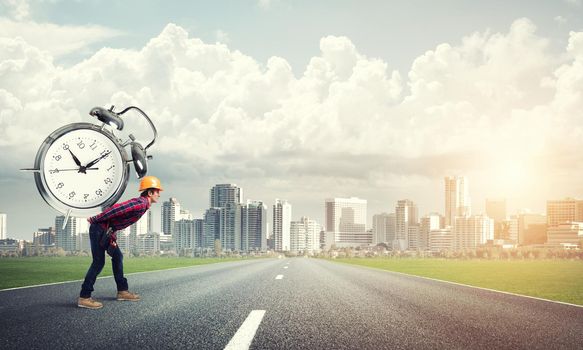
pixel 83 168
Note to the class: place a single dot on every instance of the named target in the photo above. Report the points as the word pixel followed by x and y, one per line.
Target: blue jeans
pixel 98 253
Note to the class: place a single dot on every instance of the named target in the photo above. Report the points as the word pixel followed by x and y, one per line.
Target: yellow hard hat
pixel 150 182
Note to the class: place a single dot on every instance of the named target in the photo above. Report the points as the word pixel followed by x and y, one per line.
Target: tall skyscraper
pixel 457 199
pixel 346 222
pixel 305 235
pixel 564 211
pixel 184 237
pixel 66 237
pixel 472 231
pixel 170 213
pixel 496 209
pixel 223 194
pixel 211 227
pixel 3 218
pixel 406 214
pixel 428 223
pixel 384 227
pixel 44 237
pixel 532 228
pixel 230 231
pixel 254 226
pixel 142 226
pixel 282 216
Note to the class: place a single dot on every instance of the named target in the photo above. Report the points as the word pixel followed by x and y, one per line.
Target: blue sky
pixel 304 100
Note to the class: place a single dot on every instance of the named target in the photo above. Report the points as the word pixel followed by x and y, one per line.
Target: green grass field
pixel 19 272
pixel 560 280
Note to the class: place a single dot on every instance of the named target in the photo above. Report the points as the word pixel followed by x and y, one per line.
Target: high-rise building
pixel 230 228
pixel 413 239
pixel 150 219
pixel 384 227
pixel 184 237
pixel 142 226
pixel 564 211
pixel 346 222
pixel 282 216
pixel 428 223
pixel 170 214
pixel 441 239
pixel 254 226
pixel 223 194
pixel 125 241
pixel 496 209
pixel 298 235
pixel 472 231
pixel 3 218
pixel 211 227
pixel 44 237
pixel 457 199
pixel 149 243
pixel 406 214
pixel 532 229
pixel 305 236
pixel 66 237
pixel 198 233
pixel 566 235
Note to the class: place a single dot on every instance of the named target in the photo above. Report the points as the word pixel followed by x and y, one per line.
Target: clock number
pixel 103 153
pixel 111 167
pixel 99 192
pixel 85 195
pixel 65 146
pixel 72 194
pixel 108 181
pixel 93 146
pixel 60 185
pixel 54 171
pixel 81 145
pixel 57 157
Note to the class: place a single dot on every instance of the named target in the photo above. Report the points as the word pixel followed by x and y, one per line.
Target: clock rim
pixel 56 203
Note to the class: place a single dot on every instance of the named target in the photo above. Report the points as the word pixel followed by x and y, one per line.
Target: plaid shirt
pixel 122 215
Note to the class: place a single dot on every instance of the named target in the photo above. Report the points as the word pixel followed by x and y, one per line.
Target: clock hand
pixel 75 158
pixel 91 163
pixel 53 171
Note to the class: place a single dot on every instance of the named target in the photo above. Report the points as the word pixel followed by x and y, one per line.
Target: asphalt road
pixel 285 304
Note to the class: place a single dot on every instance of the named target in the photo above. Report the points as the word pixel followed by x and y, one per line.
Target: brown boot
pixel 89 303
pixel 127 296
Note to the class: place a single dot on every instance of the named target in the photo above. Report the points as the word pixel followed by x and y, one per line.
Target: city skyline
pixel 171 211
pixel 376 107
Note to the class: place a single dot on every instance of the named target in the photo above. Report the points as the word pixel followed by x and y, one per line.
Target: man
pixel 103 239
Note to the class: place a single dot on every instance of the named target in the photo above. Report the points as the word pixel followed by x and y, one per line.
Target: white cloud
pixel 56 39
pixel 16 9
pixel 576 3
pixel 346 121
pixel 222 37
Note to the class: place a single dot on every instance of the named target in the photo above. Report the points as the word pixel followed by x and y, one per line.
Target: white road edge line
pixel 125 274
pixel 278 277
pixel 469 286
pixel 244 336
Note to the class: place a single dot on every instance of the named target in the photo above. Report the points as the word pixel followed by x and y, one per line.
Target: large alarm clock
pixel 82 168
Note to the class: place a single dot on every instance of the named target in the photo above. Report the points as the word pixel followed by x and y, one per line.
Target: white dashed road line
pixel 244 336
pixel 279 277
